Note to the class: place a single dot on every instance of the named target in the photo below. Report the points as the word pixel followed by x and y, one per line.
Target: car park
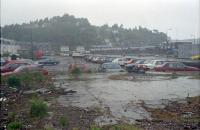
pixel 110 67
pixel 175 66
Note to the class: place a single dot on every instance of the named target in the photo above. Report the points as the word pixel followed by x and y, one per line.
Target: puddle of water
pixel 122 97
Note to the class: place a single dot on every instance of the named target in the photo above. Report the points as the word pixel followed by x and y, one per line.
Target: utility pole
pixel 168 41
pixel 32 44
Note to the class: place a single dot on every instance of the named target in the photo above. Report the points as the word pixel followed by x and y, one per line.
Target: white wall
pixel 9 48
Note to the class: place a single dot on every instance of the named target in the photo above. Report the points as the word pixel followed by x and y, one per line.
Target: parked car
pixel 78 54
pixel 89 58
pixel 134 67
pixel 123 61
pixel 142 64
pixel 108 59
pixel 26 69
pixel 48 62
pixel 120 61
pixel 193 63
pixel 12 65
pixel 129 61
pixel 97 59
pixel 110 67
pixel 174 66
pixel 153 63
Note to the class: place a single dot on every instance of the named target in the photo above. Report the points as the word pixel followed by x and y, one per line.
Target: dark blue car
pixel 48 62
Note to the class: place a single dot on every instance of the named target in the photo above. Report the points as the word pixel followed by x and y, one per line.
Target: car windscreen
pixel 140 61
pixel 160 62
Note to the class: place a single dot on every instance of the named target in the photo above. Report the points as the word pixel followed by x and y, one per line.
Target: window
pixel 172 65
pixel 180 65
pixel 160 62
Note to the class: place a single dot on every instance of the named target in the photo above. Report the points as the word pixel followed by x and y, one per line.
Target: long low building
pixel 9 46
pixel 186 51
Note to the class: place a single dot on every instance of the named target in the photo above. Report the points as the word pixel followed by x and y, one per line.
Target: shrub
pixel 38 77
pixel 38 108
pixel 51 87
pixel 14 126
pixel 26 79
pixel 13 81
pixel 76 71
pixel 89 71
pixel 63 121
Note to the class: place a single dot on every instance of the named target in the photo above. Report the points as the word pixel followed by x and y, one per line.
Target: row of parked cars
pixel 160 66
pixel 98 59
pixel 139 65
pixel 25 65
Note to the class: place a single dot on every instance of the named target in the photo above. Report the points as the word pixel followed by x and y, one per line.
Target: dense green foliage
pixel 78 31
pixel 38 108
pixel 14 126
pixel 24 79
pixel 13 81
pixel 75 71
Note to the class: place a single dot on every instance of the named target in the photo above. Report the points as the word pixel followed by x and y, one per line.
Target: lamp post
pixel 169 29
pixel 193 38
pixel 32 44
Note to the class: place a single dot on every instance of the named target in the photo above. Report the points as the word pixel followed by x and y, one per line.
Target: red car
pixel 175 66
pixel 12 65
pixel 26 69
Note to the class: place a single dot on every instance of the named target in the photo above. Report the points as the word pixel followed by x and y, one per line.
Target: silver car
pixel 110 67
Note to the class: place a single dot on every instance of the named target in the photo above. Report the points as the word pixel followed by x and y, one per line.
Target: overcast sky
pixel 182 16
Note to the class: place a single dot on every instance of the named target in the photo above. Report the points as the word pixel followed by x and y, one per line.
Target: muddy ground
pixel 174 116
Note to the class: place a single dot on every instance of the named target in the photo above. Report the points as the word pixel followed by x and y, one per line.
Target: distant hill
pixel 68 30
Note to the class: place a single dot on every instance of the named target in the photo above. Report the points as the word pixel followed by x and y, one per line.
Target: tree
pixel 78 31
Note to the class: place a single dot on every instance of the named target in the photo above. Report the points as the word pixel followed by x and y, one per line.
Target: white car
pixel 153 63
pixel 77 54
pixel 121 61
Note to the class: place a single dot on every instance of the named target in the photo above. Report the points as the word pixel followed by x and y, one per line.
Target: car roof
pixel 26 66
pixel 16 61
pixel 173 62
